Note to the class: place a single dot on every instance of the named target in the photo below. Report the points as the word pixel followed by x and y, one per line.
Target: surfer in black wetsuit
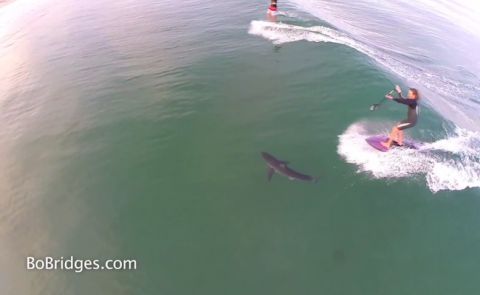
pixel 396 136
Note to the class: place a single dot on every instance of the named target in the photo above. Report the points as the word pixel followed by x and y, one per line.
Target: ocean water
pixel 133 130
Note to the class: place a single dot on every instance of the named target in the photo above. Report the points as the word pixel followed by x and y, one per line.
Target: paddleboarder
pixel 396 136
pixel 272 9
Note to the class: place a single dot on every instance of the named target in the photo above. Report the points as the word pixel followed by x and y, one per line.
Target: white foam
pixel 284 33
pixel 452 175
pixel 462 142
pixel 289 14
pixel 441 171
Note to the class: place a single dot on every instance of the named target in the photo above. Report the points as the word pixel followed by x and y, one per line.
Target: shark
pixel 281 167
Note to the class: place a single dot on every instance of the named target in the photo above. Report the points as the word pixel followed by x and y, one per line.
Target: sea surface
pixel 132 129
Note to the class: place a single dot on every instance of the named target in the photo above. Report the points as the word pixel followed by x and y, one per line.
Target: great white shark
pixel 281 167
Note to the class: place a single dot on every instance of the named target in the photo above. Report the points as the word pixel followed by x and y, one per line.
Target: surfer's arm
pixel 405 101
pixel 399 91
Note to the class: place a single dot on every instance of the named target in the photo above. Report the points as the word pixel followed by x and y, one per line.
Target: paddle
pixel 375 106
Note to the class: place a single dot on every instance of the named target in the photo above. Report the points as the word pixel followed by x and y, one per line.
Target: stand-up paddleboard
pixel 376 142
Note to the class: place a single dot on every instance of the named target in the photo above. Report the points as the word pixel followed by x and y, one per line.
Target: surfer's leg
pixel 405 124
pixel 393 136
pixel 400 137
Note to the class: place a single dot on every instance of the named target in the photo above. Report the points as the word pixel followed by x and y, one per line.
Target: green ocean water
pixel 133 129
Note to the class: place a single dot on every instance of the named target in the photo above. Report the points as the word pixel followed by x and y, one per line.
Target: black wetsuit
pixel 412 112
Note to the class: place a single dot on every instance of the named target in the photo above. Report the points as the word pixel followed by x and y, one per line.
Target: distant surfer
pixel 272 9
pixel 396 136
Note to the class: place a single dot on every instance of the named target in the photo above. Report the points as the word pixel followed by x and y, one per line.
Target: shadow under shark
pixel 281 167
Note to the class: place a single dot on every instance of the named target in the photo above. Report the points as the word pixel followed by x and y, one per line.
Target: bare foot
pixel 385 144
